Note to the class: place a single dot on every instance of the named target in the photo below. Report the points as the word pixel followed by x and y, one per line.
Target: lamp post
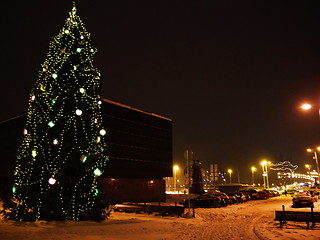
pixel 230 173
pixel 175 169
pixel 315 157
pixel 306 107
pixel 253 169
pixel 264 165
pixel 308 167
pixel 267 174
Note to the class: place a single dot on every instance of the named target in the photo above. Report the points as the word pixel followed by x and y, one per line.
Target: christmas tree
pixel 63 151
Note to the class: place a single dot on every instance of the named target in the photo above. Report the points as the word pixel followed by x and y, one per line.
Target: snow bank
pixel 251 220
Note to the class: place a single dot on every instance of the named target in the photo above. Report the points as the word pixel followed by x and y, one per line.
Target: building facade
pixel 139 146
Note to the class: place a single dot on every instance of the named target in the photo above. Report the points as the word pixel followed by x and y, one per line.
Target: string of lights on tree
pixel 63 151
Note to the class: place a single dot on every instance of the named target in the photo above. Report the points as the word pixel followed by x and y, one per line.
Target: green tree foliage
pixel 63 151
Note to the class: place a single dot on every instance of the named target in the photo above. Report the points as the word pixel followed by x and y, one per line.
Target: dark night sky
pixel 230 74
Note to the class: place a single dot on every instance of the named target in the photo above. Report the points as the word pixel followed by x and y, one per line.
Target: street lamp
pixel 175 169
pixel 315 157
pixel 264 165
pixel 253 169
pixel 308 167
pixel 306 106
pixel 268 163
pixel 230 172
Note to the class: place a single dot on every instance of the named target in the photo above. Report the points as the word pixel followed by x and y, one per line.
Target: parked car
pixel 222 195
pixel 252 193
pixel 263 195
pixel 247 195
pixel 272 193
pixel 303 199
pixel 275 193
pixel 241 197
pixel 205 201
pixel 233 198
pixel 238 196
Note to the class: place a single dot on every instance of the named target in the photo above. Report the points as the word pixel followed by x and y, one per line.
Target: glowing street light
pixel 230 173
pixel 175 169
pixel 253 169
pixel 315 157
pixel 306 106
pixel 264 165
pixel 308 167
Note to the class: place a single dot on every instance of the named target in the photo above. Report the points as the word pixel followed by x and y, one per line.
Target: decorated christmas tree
pixel 63 151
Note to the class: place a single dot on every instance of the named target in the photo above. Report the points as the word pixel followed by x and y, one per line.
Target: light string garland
pixel 284 166
pixel 60 159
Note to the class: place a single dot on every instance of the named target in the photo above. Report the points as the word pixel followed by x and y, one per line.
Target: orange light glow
pixel 306 106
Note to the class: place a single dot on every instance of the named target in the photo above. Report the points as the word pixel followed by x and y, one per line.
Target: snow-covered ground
pixel 251 220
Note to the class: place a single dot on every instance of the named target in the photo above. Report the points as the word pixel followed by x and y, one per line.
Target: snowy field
pixel 251 220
